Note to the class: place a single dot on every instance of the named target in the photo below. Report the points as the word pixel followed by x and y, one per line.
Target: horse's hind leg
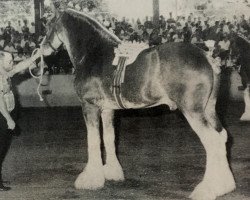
pixel 112 168
pixel 246 114
pixel 218 179
pixel 210 111
pixel 93 176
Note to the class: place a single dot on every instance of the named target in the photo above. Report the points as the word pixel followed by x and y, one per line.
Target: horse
pixel 241 48
pixel 175 74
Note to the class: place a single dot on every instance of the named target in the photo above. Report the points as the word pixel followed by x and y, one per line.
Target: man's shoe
pixel 3 188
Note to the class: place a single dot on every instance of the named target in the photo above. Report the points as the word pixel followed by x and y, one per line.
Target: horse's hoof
pixel 202 192
pixel 210 191
pixel 90 180
pixel 113 172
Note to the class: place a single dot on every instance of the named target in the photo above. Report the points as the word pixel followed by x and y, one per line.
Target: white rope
pixel 40 76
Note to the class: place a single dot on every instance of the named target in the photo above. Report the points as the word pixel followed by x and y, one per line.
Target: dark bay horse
pixel 176 74
pixel 241 47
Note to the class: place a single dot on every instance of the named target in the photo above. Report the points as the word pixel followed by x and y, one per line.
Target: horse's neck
pixel 88 50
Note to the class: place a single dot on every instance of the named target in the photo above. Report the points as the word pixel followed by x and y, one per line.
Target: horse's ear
pixel 57 8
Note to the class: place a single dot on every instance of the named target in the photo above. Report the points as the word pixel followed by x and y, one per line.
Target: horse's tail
pixel 210 108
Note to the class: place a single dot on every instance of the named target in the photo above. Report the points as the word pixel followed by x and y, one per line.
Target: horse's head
pixel 53 39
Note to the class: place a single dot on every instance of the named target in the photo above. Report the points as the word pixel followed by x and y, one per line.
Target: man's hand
pixel 11 124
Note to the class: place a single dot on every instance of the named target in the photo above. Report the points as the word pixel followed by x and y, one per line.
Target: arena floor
pixel 161 156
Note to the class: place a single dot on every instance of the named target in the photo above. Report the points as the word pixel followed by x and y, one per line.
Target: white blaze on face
pixel 6 61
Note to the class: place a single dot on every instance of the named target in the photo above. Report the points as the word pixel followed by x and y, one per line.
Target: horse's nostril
pixel 46 92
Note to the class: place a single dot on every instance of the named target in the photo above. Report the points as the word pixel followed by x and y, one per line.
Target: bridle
pixel 50 44
pixel 53 29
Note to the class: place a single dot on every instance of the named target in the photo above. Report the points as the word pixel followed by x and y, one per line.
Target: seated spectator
pixel 197 41
pixel 20 56
pixel 145 37
pixel 187 33
pixel 19 27
pixel 8 29
pixel 106 22
pixel 134 37
pixel 32 44
pixel 140 32
pixel 162 22
pixel 10 48
pixel 165 37
pixel 27 50
pixel 25 28
pixel 154 38
pixel 32 28
pixel 148 24
pixel 2 43
pixel 1 31
pixel 224 49
pixel 179 37
pixel 24 41
pixel 170 20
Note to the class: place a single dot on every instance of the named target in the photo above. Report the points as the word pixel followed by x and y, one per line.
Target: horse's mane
pixel 98 27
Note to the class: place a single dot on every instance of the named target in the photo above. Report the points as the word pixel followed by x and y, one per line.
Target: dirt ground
pixel 161 156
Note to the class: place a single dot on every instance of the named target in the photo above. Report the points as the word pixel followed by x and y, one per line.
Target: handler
pixel 7 104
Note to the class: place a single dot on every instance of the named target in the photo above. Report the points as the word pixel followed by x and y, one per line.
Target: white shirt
pixel 32 29
pixel 10 49
pixel 23 42
pixel 224 45
pixel 195 41
pixel 19 28
pixel 2 43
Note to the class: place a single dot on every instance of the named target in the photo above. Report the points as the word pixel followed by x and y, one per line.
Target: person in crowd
pixel 32 29
pixel 25 28
pixel 187 33
pixel 20 56
pixel 10 48
pixel 170 20
pixel 178 37
pixel 155 38
pixel 2 41
pixel 148 24
pixel 165 37
pixel 8 29
pixel 224 49
pixel 24 40
pixel 1 31
pixel 19 27
pixel 197 40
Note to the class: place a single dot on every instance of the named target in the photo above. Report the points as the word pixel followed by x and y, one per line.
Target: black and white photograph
pixel 124 99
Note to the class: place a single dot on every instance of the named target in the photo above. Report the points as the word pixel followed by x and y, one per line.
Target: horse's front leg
pixel 93 176
pixel 112 168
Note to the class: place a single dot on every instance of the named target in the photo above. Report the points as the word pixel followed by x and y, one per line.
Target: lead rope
pixel 40 77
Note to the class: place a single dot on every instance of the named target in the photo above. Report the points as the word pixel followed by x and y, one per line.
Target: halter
pixel 51 46
pixel 55 31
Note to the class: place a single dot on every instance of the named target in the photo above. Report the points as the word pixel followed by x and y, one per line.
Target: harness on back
pixel 118 79
pixel 126 53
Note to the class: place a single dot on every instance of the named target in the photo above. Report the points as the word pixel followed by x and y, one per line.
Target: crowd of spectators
pixel 21 39
pixel 189 29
